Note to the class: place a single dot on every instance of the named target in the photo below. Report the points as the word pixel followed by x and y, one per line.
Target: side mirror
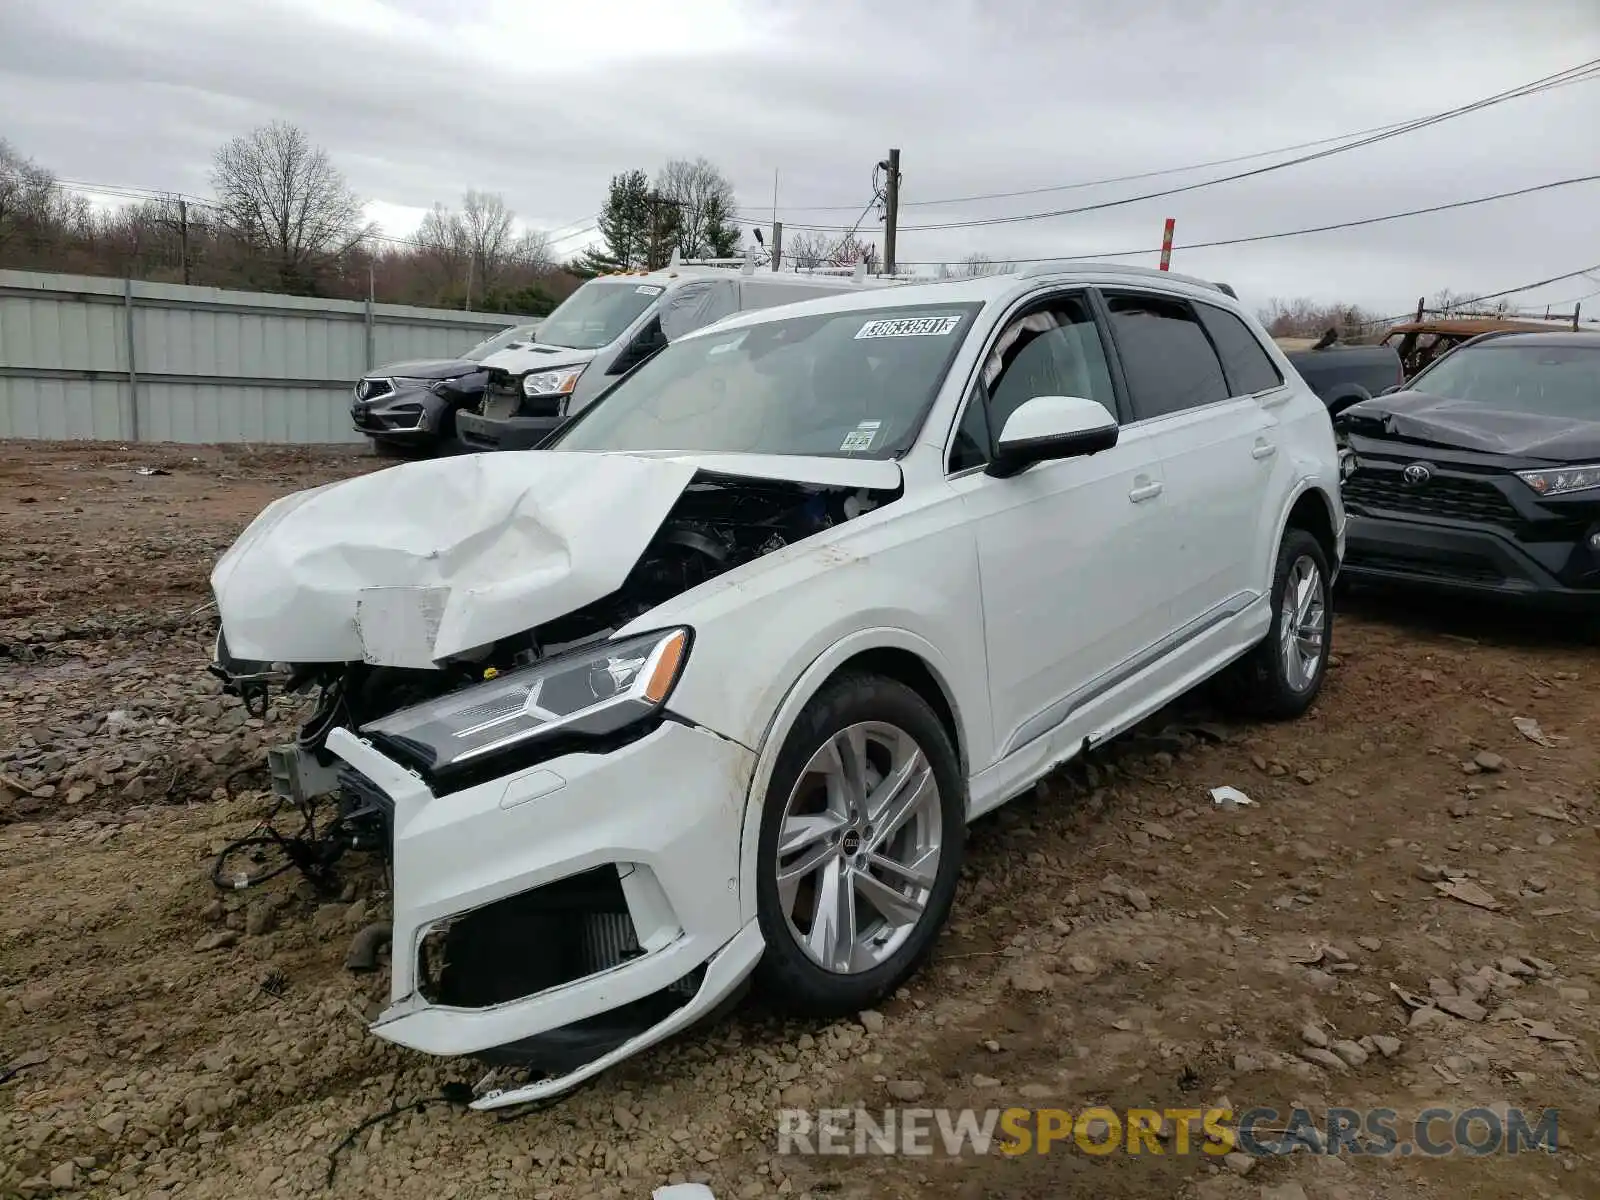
pixel 1052 427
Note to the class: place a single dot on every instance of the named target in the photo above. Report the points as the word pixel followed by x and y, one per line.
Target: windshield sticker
pixel 859 439
pixel 723 347
pixel 909 327
pixel 649 289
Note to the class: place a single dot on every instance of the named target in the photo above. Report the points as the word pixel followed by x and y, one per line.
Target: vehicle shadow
pixel 1469 620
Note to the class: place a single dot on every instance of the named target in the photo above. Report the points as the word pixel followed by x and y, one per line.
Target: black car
pixel 1346 375
pixel 1483 475
pixel 409 408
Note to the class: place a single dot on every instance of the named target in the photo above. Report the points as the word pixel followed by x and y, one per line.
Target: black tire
pixel 789 978
pixel 1258 685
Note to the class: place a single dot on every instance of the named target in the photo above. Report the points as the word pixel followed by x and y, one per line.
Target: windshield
pixel 597 313
pixel 1549 381
pixel 503 340
pixel 834 384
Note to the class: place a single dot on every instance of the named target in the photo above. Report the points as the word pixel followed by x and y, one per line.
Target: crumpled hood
pixel 422 561
pixel 428 368
pixel 1457 424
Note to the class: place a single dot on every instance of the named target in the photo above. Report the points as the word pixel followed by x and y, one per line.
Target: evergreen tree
pixel 625 222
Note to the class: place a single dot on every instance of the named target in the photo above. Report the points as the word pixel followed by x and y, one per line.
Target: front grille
pixel 372 389
pixel 1449 498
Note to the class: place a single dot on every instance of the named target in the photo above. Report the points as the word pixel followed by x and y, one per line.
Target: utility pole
pixel 466 305
pixel 891 210
pixel 777 243
pixel 183 236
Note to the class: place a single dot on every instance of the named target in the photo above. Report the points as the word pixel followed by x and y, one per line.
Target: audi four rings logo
pixel 1417 474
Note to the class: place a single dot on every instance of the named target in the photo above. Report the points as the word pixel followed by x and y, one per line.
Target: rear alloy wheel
pixel 1282 676
pixel 861 844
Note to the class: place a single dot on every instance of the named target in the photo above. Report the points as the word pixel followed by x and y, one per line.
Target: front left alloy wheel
pixel 860 848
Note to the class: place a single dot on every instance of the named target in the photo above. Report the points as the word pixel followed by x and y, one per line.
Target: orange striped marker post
pixel 1166 244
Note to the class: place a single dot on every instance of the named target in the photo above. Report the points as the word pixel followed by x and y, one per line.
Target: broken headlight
pixel 594 691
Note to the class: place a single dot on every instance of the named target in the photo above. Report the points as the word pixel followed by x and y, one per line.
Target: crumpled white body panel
pixel 422 561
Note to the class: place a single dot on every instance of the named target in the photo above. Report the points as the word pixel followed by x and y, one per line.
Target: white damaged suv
pixel 711 687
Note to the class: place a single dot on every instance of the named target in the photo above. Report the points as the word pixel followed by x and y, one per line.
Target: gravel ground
pixel 1406 917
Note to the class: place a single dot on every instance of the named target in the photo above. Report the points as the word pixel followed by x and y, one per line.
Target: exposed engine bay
pixel 718 524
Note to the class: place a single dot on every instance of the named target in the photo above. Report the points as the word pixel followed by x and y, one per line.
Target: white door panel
pixel 1219 463
pixel 1070 555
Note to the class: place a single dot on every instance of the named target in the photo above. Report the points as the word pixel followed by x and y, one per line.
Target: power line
pixel 1584 72
pixel 1089 183
pixel 1288 233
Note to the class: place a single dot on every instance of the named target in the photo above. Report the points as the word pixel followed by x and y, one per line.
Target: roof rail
pixel 746 262
pixel 856 271
pixel 1065 266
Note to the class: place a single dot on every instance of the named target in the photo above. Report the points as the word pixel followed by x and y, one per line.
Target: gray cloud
pixel 419 99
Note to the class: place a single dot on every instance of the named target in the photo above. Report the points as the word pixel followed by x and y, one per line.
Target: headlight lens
pixel 551 383
pixel 1558 481
pixel 597 690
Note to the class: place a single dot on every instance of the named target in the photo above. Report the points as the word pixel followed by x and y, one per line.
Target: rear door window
pixel 1244 362
pixel 1166 357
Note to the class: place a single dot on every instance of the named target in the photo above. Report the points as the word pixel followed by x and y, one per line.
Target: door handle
pixel 1263 449
pixel 1147 491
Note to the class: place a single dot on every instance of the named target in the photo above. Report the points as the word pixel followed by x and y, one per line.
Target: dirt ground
pixel 1119 939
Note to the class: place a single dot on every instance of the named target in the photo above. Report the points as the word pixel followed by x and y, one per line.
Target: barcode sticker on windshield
pixel 649 289
pixel 858 439
pixel 909 327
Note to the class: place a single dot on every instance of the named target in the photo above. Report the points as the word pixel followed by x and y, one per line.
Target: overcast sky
pixel 417 100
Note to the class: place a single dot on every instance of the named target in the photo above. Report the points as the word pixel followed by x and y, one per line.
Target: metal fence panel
pixel 108 359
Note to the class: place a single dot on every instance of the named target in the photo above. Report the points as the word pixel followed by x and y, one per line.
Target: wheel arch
pixel 1342 398
pixel 1314 511
pixel 894 653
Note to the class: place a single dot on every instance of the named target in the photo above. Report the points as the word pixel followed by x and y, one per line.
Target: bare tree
pixel 973 266
pixel 1302 317
pixel 47 226
pixel 474 249
pixel 806 250
pixel 27 194
pixel 702 199
pixel 533 252
pixel 487 226
pixel 282 196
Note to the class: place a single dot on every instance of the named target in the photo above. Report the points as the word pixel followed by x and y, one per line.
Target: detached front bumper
pixel 504 433
pixel 656 824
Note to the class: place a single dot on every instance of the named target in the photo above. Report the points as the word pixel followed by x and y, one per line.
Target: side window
pixel 1166 356
pixel 695 305
pixel 970 447
pixel 1246 364
pixel 1052 351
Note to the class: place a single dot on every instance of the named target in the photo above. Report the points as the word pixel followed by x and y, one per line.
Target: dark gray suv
pixel 409 408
